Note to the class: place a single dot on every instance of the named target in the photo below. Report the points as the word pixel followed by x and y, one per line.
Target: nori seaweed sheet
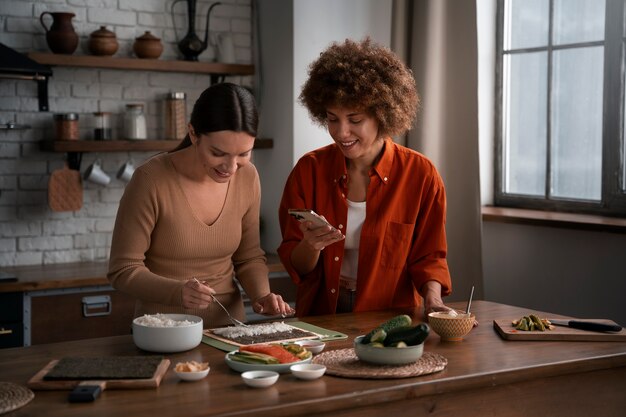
pixel 110 367
pixel 268 338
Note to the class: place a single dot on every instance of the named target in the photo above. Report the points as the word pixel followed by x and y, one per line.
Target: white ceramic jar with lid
pixel 135 122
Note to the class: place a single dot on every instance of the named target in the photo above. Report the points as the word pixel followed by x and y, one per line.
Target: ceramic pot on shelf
pixel 148 46
pixel 102 42
pixel 60 36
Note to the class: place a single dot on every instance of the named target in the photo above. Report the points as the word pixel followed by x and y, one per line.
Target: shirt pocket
pixel 396 245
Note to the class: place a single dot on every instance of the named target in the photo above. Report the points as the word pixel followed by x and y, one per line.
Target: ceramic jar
pixel 135 122
pixel 148 46
pixel 66 126
pixel 102 42
pixel 60 36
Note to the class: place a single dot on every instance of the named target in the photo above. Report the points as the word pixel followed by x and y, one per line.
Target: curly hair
pixel 365 76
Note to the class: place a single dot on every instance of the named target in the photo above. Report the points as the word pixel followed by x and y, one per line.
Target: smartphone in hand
pixel 307 215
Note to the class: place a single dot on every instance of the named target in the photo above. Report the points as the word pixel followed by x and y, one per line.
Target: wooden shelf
pixel 124 145
pixel 90 61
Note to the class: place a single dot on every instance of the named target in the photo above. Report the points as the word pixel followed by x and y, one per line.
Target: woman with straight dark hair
pixel 187 227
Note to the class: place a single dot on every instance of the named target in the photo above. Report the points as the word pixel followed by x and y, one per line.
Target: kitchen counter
pixel 73 290
pixel 485 375
pixel 74 275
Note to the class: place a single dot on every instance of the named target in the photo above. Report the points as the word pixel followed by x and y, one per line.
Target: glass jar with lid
pixel 175 116
pixel 102 126
pixel 134 122
pixel 66 126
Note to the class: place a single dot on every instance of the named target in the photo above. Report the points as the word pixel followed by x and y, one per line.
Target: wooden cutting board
pixel 65 190
pixel 508 332
pixel 37 382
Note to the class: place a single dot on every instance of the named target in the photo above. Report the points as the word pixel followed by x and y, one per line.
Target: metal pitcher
pixel 191 45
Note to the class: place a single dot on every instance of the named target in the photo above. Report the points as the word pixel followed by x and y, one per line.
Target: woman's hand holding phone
pixel 317 232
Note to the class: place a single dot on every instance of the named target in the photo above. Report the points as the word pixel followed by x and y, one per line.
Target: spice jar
pixel 134 122
pixel 102 126
pixel 66 126
pixel 175 116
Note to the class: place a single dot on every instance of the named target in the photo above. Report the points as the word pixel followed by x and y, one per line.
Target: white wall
pixel 571 272
pixel 316 25
pixel 289 43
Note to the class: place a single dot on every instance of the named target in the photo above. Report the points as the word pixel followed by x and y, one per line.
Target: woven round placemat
pixel 13 396
pixel 345 363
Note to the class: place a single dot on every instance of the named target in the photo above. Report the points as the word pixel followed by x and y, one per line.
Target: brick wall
pixel 31 233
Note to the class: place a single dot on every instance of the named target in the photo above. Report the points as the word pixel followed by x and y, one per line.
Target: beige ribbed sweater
pixel 158 243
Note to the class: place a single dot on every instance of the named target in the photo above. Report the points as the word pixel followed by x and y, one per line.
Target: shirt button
pixel 342 194
pixel 385 179
pixel 340 226
pixel 332 290
pixel 336 258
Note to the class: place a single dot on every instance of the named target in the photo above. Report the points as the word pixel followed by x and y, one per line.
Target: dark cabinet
pixel 11 319
pixel 74 315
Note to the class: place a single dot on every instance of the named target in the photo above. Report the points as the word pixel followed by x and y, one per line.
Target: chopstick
pixel 469 302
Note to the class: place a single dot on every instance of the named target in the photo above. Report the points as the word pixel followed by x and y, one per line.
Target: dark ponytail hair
pixel 223 106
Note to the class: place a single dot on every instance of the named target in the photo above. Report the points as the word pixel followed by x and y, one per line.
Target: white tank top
pixel 356 217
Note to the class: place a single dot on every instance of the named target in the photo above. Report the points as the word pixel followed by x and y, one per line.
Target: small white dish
pixel 192 376
pixel 259 379
pixel 308 371
pixel 313 346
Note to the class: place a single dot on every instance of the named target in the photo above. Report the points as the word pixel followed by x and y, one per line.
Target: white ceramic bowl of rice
pixel 167 333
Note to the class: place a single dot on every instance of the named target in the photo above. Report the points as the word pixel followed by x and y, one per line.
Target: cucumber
pixel 378 336
pixel 402 320
pixel 410 335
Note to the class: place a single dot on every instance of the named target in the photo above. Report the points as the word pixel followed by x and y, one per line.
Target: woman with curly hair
pixel 387 203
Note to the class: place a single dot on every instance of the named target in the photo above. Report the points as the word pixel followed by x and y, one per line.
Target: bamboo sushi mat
pixel 13 396
pixel 345 363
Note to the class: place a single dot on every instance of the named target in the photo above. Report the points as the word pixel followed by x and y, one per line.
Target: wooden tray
pixel 561 333
pixel 37 382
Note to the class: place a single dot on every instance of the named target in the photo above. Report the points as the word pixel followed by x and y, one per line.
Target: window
pixel 560 105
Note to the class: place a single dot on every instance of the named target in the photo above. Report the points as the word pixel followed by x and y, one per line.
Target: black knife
pixel 587 325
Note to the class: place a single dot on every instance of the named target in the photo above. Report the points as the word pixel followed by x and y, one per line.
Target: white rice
pixel 234 332
pixel 161 320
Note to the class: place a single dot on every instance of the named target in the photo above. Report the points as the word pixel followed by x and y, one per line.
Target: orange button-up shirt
pixel 403 239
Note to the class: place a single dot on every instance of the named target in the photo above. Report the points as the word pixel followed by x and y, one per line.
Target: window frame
pixel 613 197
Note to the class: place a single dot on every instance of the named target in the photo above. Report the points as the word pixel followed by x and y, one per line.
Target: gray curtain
pixel 442 52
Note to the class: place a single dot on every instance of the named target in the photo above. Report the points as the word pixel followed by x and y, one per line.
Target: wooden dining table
pixel 485 376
